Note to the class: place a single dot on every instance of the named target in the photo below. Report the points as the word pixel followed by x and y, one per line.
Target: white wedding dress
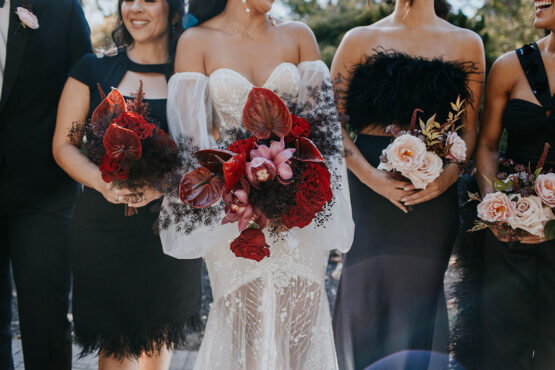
pixel 272 314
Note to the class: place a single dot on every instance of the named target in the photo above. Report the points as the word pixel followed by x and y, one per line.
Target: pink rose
pixel 457 150
pixel 530 215
pixel 27 18
pixel 405 153
pixel 496 207
pixel 431 168
pixel 545 188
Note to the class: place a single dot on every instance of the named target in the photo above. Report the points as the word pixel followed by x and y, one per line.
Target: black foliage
pixel 378 92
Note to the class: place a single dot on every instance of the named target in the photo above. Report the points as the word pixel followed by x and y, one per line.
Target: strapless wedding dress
pixel 272 314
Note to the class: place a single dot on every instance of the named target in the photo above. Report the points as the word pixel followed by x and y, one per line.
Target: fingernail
pixel 403 200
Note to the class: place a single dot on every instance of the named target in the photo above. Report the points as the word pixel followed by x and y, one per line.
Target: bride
pixel 272 314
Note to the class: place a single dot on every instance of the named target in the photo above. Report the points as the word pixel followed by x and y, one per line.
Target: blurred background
pixel 503 24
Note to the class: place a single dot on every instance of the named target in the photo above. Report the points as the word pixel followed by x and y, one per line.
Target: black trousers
pixel 37 245
pixel 518 306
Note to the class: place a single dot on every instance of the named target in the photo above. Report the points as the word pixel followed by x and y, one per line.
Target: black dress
pixel 128 296
pixel 391 290
pixel 518 296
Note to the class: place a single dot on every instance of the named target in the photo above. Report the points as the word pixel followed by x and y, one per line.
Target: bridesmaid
pixel 131 302
pixel 391 290
pixel 518 296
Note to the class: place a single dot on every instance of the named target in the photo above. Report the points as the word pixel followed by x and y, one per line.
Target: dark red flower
pixel 265 113
pixel 111 106
pixel 200 188
pixel 314 189
pixel 111 169
pixel 300 128
pixel 297 217
pixel 136 123
pixel 234 170
pixel 243 146
pixel 121 143
pixel 251 244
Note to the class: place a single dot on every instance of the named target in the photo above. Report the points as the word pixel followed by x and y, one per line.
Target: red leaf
pixel 307 151
pixel 200 188
pixel 265 113
pixel 234 169
pixel 213 159
pixel 121 143
pixel 111 107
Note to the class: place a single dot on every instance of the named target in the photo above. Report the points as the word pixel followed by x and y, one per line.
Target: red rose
pixel 243 146
pixel 300 127
pixel 297 217
pixel 314 189
pixel 111 169
pixel 251 244
pixel 136 123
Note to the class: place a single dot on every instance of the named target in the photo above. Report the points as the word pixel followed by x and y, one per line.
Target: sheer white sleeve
pixel 316 103
pixel 189 108
pixel 187 232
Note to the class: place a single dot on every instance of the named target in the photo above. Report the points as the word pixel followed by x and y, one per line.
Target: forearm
pixel 356 162
pixel 487 165
pixel 76 165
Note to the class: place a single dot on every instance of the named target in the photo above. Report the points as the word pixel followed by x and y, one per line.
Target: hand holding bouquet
pixel 522 204
pixel 419 155
pixel 131 153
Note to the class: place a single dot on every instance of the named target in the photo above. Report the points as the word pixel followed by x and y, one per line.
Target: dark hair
pixel 204 10
pixel 122 37
pixel 442 8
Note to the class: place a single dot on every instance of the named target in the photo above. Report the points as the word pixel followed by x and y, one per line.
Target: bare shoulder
pixel 302 36
pixel 195 39
pixel 505 71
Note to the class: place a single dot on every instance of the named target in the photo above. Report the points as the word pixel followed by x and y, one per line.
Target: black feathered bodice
pixel 391 85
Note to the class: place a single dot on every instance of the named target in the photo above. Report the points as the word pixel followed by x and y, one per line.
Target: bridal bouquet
pixel 130 151
pixel 420 154
pixel 522 203
pixel 274 177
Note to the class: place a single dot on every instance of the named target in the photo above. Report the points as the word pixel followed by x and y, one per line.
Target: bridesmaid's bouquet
pixel 130 151
pixel 522 204
pixel 274 176
pixel 418 155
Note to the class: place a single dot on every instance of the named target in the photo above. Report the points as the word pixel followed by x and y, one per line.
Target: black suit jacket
pixel 37 65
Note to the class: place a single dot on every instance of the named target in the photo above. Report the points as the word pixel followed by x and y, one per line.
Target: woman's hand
pixel 505 237
pixel 447 178
pixel 113 195
pixel 389 188
pixel 143 197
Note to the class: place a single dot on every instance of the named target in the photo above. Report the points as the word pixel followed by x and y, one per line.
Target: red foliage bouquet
pixel 130 151
pixel 276 176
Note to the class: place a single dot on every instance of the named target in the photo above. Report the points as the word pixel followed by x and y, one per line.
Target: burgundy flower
pixel 112 169
pixel 314 189
pixel 297 217
pixel 251 244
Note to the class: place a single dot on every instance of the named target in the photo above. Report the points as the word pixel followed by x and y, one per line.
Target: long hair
pixel 123 38
pixel 204 10
pixel 442 8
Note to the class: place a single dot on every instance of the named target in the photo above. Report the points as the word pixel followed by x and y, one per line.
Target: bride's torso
pixel 290 257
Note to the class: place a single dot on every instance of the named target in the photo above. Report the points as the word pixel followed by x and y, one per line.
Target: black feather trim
pixel 134 343
pixel 390 85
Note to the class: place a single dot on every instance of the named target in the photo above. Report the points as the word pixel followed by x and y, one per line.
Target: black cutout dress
pixel 518 296
pixel 390 296
pixel 128 296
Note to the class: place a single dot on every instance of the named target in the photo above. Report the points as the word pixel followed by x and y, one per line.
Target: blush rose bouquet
pixel 276 177
pixel 419 155
pixel 522 203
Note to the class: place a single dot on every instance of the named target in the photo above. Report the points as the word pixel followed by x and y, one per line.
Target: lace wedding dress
pixel 272 314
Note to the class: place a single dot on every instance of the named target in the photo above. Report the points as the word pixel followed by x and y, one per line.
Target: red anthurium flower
pixel 234 170
pixel 122 143
pixel 200 188
pixel 265 113
pixel 213 159
pixel 136 123
pixel 112 106
pixel 251 244
pixel 112 170
pixel 307 151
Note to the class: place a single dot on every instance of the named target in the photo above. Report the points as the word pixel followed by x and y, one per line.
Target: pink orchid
pixel 267 163
pixel 238 209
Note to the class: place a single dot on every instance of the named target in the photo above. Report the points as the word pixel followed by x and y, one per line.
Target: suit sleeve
pixel 79 34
